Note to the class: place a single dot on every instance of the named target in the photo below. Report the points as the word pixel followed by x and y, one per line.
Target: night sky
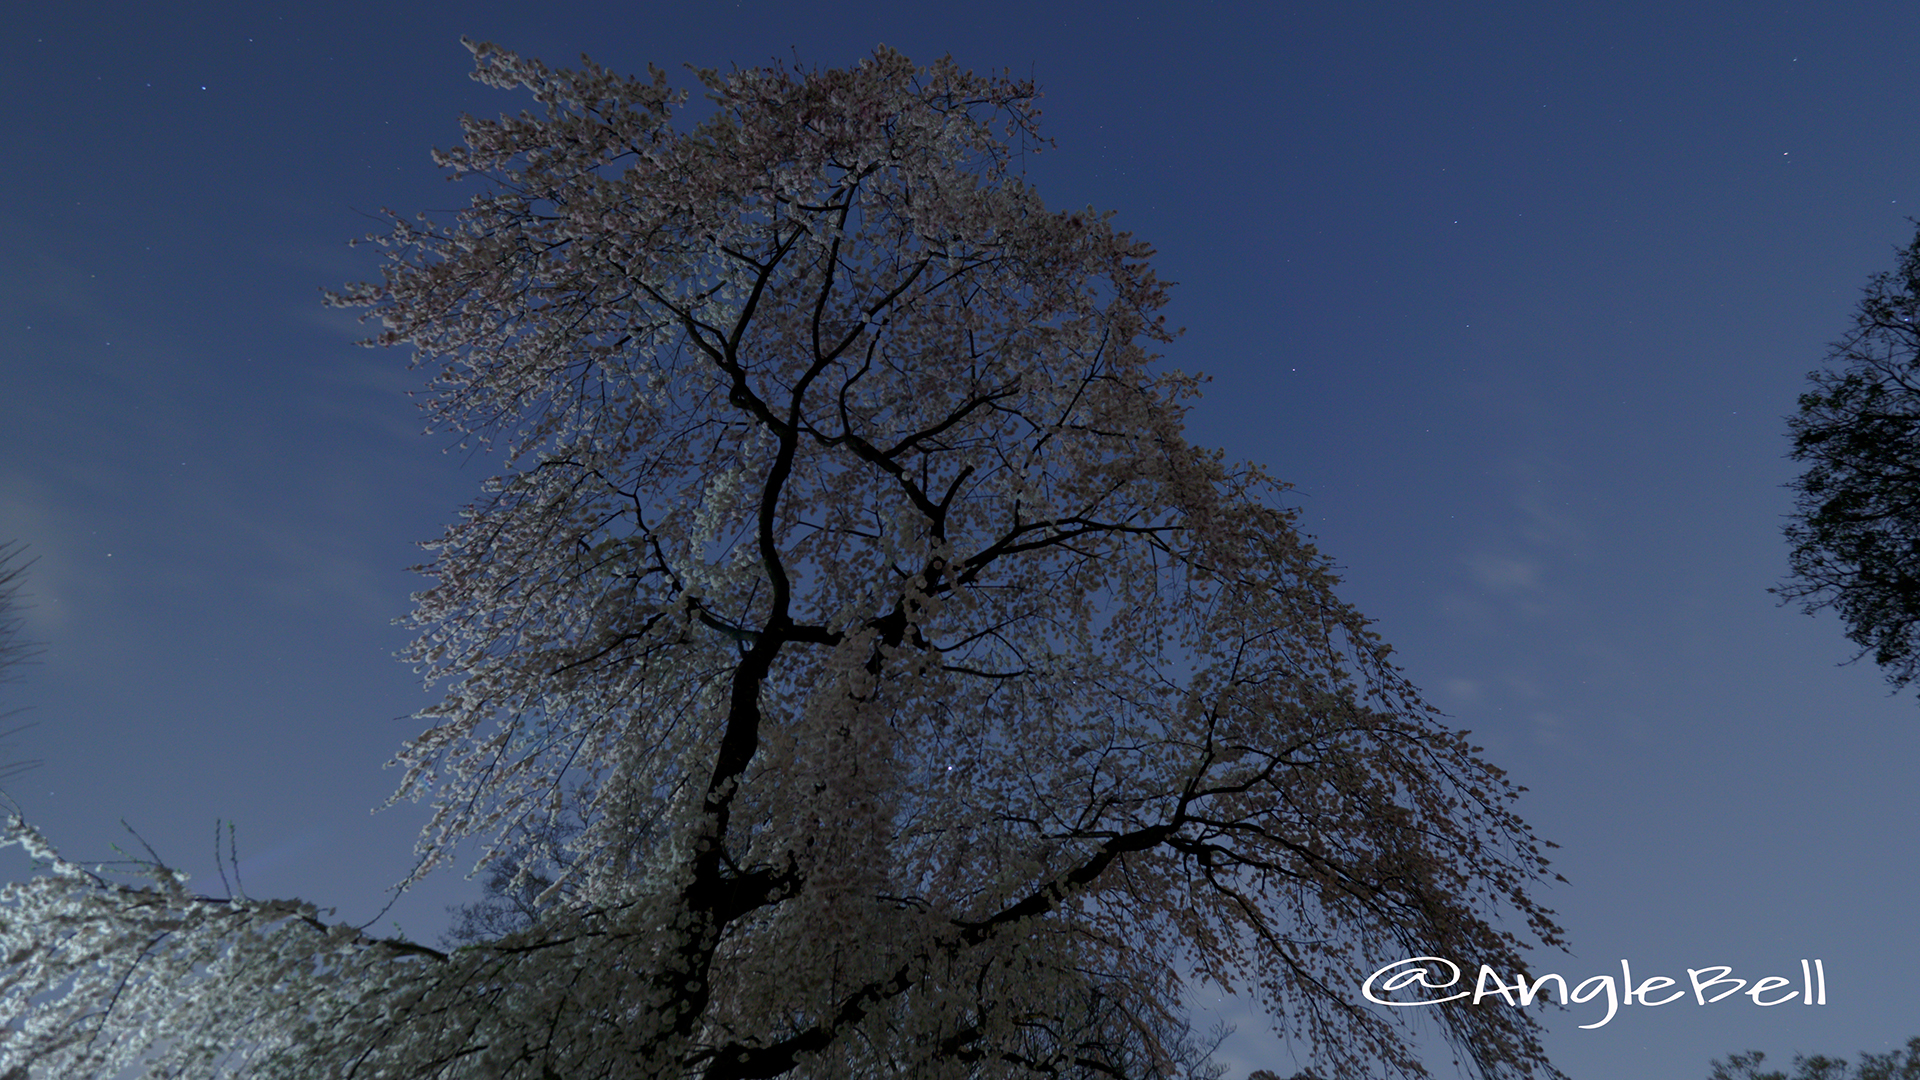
pixel 1517 296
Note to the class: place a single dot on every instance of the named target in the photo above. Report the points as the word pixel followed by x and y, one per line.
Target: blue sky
pixel 1517 298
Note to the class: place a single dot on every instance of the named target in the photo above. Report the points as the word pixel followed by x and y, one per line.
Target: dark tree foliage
pixel 532 880
pixel 518 888
pixel 1856 527
pixel 1892 1065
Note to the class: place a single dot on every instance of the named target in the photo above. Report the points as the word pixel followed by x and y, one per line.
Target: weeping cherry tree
pixel 920 702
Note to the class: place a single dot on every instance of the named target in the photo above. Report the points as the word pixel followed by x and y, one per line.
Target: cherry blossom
pixel 926 702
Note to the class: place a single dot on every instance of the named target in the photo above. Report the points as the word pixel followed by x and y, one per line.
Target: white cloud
pixel 1504 574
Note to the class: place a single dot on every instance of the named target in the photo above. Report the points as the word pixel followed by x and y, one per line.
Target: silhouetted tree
pixel 1855 532
pixel 1892 1065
